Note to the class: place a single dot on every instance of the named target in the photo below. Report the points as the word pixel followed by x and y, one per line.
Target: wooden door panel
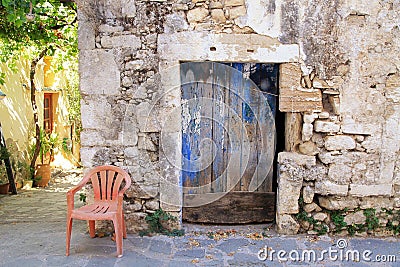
pixel 226 137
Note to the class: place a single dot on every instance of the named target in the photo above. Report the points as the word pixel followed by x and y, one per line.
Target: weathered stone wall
pixel 341 96
pixel 345 161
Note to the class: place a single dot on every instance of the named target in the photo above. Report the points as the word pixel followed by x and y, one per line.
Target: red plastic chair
pixel 108 200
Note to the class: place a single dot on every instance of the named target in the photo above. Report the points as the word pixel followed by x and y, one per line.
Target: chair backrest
pixel 107 180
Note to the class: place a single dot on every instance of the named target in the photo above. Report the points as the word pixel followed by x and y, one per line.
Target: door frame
pixel 189 46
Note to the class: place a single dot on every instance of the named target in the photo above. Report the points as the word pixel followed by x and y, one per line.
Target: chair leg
pixel 123 226
pixel 118 235
pixel 68 239
pixel 92 228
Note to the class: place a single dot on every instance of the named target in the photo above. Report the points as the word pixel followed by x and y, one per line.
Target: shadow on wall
pixel 15 109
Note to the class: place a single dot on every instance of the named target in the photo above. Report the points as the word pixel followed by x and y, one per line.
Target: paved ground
pixel 32 233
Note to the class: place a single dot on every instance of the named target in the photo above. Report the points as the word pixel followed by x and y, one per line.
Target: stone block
pixel 135 206
pixel 147 117
pixel 139 190
pixel 392 88
pixel 376 202
pixel 397 202
pixel 308 148
pixel 293 125
pixel 128 8
pixel 100 111
pixel 308 194
pixel 320 216
pixel 323 115
pixel 288 194
pixel 326 157
pixel 360 190
pixel 326 127
pixel 328 188
pixel 319 83
pixel 175 23
pixel 136 222
pixel 340 173
pixel 87 155
pixel 236 12
pixel 197 14
pixel 338 203
pixel 127 81
pixel 127 41
pixel 90 138
pixel 296 158
pixel 313 173
pixel 131 152
pixel 307 132
pixel 294 98
pixel 128 135
pixel 334 100
pixel 218 15
pixel 91 64
pixel 310 118
pixel 286 225
pixel 349 127
pixel 339 142
pixel 311 207
pixel 152 204
pixel 216 4
pixel 144 142
pixel 234 3
pixel 355 218
pixel 87 34
pixel 134 64
pixel 105 28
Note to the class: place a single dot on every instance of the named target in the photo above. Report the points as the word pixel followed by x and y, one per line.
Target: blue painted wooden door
pixel 228 130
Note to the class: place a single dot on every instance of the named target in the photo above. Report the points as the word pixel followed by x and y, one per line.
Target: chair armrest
pixel 120 202
pixel 71 193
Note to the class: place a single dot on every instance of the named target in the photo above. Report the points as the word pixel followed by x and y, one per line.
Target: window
pixel 48 113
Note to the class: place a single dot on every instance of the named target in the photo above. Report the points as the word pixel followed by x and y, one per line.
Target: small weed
pixel 337 217
pixel 371 221
pixel 155 222
pixel 319 227
pixel 82 197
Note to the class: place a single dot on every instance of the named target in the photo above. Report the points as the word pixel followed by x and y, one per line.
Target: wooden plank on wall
pixel 220 86
pixel 234 171
pixel 293 97
pixel 233 208
pixel 293 128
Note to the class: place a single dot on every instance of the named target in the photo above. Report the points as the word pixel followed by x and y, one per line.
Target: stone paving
pixel 32 233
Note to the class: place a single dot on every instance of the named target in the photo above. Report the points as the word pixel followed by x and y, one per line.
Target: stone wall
pixel 344 159
pixel 340 95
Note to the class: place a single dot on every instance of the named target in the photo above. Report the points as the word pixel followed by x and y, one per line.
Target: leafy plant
pixel 371 221
pixel 319 227
pixel 4 153
pixel 48 143
pixel 3 174
pixel 352 229
pixel 337 217
pixel 156 222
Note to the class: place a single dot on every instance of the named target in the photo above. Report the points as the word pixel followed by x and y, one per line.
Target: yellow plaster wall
pixel 16 115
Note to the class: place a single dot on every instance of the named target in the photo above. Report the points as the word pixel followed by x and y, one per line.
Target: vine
pixel 31 30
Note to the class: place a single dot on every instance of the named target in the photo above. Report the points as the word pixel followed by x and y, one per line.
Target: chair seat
pixel 99 210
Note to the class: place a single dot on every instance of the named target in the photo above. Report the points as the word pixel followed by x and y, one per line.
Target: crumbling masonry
pixel 339 89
